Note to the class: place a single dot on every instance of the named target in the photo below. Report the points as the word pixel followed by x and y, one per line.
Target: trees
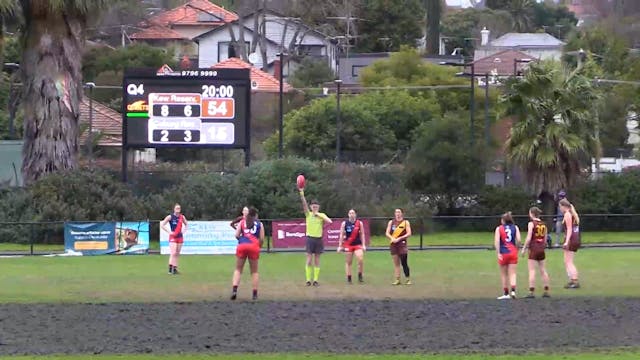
pixel 464 25
pixel 311 73
pixel 521 15
pixel 408 68
pixel 553 19
pixel 51 74
pixel 554 129
pixel 441 165
pixel 389 24
pixel 376 126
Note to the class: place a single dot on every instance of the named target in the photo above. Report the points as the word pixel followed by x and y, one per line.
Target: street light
pixel 281 107
pixel 338 119
pixel 487 138
pixel 472 96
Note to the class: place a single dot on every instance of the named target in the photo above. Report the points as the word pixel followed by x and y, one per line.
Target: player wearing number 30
pixel 352 241
pixel 506 241
pixel 536 242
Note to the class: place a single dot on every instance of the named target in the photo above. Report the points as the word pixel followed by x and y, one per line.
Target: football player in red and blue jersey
pixel 506 241
pixel 352 241
pixel 178 224
pixel 250 235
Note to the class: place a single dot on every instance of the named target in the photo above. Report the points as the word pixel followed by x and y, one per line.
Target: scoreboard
pixel 190 108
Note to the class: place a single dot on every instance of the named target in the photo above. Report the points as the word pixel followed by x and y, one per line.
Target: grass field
pixel 618 355
pixel 435 239
pixel 436 274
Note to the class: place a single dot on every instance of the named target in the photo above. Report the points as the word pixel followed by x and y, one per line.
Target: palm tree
pixel 521 14
pixel 51 66
pixel 555 126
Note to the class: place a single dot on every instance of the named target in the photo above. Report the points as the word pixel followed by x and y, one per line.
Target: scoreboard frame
pixel 215 84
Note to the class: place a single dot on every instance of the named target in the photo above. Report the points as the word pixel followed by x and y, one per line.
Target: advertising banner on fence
pixel 132 237
pixel 96 238
pixel 204 237
pixel 100 238
pixel 292 233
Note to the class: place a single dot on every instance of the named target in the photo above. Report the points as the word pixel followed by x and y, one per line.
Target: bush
pixel 84 195
pixel 202 196
pixel 17 206
pixel 271 187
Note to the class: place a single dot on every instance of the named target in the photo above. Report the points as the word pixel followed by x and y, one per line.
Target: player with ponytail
pixel 178 225
pixel 571 244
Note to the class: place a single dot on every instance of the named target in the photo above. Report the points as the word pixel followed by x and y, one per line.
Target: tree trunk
pixel 2 41
pixel 51 74
pixel 434 11
pixel 263 44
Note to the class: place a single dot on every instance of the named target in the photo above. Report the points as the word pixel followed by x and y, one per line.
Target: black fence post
pixel 421 232
pixel 269 237
pixel 31 239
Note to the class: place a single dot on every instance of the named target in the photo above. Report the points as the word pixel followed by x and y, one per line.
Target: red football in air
pixel 300 181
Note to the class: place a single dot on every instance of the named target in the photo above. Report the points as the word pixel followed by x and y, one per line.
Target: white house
pixel 280 32
pixel 540 46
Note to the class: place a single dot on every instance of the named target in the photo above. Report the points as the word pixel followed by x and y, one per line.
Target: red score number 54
pixel 218 108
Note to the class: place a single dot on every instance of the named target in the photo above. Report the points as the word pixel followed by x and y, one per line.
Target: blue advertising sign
pixel 96 238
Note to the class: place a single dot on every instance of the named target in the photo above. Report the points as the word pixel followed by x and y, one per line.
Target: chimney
pixel 485 36
pixel 277 69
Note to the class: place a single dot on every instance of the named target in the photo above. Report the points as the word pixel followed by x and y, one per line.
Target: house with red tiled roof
pixel 178 27
pixel 503 63
pixel 260 80
pixel 105 123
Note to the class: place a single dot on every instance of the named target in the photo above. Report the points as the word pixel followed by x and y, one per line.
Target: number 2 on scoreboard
pixel 165 135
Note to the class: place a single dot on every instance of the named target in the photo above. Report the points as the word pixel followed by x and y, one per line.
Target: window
pixel 310 50
pixel 226 50
pixel 355 70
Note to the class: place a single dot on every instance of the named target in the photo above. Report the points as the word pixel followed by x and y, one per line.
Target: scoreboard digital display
pixel 191 108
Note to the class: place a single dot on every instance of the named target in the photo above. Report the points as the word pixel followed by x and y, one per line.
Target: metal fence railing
pixel 48 237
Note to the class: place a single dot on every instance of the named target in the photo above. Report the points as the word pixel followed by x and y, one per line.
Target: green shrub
pixel 84 195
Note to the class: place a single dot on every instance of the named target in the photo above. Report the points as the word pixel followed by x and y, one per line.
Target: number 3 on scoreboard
pixel 187 136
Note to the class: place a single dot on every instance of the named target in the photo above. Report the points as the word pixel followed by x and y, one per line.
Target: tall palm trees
pixel 555 126
pixel 521 12
pixel 51 73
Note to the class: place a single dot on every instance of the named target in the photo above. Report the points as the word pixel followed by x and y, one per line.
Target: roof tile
pixel 106 121
pixel 265 82
pixel 501 62
pixel 188 14
pixel 156 32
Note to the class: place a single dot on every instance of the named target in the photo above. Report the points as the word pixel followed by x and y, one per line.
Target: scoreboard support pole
pixel 125 156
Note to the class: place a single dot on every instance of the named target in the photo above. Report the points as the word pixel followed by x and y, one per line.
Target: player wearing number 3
pixel 506 241
pixel 536 242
